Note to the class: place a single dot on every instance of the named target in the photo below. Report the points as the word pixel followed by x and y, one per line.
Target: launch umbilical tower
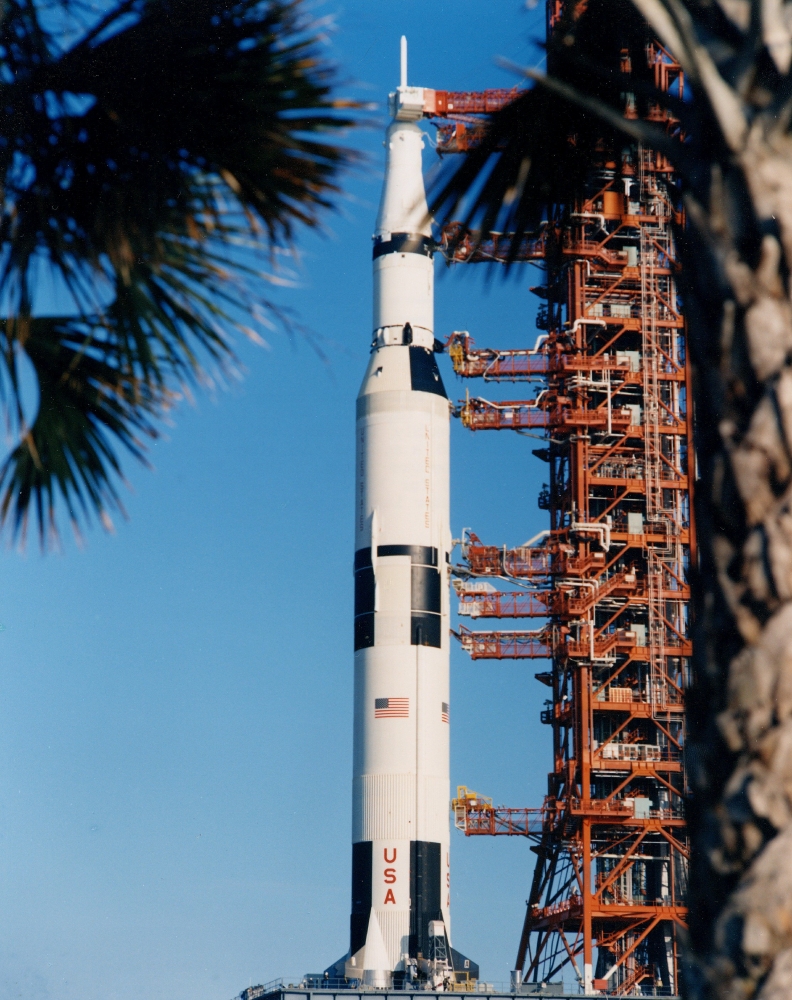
pixel 609 578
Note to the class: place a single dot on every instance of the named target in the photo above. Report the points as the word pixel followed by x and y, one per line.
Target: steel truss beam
pixel 610 392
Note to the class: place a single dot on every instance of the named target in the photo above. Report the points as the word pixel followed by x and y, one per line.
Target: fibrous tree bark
pixel 736 253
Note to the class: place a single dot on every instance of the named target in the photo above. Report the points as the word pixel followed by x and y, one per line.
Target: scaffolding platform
pixel 608 386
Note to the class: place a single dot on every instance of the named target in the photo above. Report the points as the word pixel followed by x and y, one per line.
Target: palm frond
pixel 88 405
pixel 137 164
pixel 536 151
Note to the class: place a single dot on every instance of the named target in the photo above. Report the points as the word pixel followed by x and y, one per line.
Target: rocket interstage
pixel 400 921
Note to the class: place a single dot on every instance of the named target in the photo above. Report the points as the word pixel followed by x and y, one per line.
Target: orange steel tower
pixel 609 578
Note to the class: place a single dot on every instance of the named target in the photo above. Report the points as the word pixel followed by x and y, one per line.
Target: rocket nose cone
pixel 403 207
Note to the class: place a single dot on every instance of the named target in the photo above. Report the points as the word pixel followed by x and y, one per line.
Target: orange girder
pixel 610 577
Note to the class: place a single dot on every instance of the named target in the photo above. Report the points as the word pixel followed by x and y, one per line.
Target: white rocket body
pixel 400 826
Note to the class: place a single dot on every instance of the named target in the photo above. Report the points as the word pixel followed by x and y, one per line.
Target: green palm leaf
pixel 143 165
pixel 537 150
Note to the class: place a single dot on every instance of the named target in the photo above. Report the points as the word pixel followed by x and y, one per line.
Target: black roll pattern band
pixel 425 595
pixel 404 243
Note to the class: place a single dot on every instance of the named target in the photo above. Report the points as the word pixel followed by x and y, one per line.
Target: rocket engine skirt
pixel 410 876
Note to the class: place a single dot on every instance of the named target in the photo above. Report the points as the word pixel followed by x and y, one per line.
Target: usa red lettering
pixel 391 871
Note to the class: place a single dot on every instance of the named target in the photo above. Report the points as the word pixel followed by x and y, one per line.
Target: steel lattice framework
pixel 609 578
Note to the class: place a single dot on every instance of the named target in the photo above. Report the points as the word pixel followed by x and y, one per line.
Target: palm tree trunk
pixel 736 255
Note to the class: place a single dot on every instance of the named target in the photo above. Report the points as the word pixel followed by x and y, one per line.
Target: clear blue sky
pixel 176 699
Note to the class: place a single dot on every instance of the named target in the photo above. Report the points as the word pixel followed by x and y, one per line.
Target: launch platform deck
pixel 302 991
pixel 284 992
pixel 359 993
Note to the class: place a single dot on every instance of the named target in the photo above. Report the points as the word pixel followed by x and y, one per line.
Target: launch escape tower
pixel 609 577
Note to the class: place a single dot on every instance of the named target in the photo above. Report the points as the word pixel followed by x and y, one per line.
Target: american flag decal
pixel 391 708
pixel 444 711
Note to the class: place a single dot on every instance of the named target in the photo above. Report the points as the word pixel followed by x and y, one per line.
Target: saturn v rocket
pixel 400 921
